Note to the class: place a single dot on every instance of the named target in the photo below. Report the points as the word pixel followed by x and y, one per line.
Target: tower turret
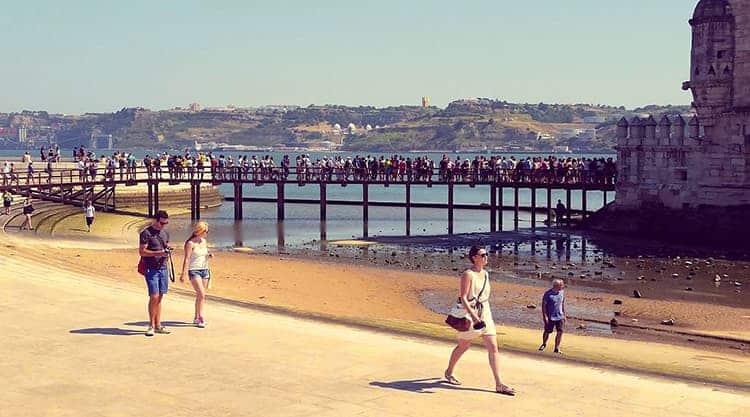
pixel 712 59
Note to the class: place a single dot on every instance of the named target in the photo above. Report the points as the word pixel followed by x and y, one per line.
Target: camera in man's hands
pixel 168 250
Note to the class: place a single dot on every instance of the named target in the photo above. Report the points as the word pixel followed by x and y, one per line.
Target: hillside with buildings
pixel 470 124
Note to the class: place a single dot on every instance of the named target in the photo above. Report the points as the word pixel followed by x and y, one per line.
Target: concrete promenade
pixel 75 347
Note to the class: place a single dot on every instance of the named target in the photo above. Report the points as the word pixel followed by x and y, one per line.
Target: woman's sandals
pixel 505 390
pixel 451 379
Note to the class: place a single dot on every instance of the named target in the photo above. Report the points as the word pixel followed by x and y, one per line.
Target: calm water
pixel 302 224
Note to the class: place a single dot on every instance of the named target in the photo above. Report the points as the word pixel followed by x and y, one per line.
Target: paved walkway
pixel 73 347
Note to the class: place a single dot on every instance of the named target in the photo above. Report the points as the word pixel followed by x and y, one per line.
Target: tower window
pixel 720 54
pixel 697 71
pixel 711 71
pixel 727 71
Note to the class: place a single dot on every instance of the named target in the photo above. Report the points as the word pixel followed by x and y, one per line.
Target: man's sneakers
pixel 557 351
pixel 199 322
pixel 162 330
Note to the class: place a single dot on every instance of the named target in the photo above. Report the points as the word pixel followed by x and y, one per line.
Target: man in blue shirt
pixel 553 313
pixel 154 250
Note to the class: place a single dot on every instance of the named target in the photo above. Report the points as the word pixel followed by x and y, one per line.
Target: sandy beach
pixel 251 362
pixel 390 298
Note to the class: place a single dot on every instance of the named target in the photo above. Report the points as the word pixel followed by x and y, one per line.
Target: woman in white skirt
pixel 475 296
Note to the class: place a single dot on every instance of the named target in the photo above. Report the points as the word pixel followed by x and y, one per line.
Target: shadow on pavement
pixel 423 386
pixel 110 331
pixel 164 323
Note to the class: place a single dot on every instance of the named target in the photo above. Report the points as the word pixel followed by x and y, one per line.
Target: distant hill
pixel 464 124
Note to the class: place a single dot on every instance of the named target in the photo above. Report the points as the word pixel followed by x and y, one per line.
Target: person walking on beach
pixel 474 295
pixel 154 251
pixel 553 314
pixel 195 266
pixel 88 212
pixel 7 201
pixel 28 209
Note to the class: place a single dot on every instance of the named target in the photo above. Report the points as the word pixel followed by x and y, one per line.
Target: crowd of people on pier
pixel 191 165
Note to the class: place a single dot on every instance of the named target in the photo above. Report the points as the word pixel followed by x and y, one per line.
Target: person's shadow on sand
pixel 114 331
pixel 109 331
pixel 423 386
pixel 164 323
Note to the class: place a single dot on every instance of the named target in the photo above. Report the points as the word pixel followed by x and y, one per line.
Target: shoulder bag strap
pixel 486 278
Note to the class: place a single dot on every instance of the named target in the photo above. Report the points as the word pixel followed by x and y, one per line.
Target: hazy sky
pixel 78 56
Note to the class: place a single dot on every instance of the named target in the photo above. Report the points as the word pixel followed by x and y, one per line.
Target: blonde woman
pixel 475 295
pixel 195 266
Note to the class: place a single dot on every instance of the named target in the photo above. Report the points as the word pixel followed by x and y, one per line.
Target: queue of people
pixel 202 165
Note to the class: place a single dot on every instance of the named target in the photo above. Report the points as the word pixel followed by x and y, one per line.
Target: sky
pixel 80 56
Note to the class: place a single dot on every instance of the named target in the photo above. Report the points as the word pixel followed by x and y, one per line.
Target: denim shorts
pixel 157 281
pixel 199 273
pixel 553 325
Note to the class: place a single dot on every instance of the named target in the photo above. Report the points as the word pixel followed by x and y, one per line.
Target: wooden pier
pixel 68 186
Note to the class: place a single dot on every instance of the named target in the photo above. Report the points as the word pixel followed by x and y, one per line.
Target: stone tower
pixel 690 178
pixel 712 60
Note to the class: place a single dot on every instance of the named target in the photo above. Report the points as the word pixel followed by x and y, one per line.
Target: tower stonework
pixel 683 178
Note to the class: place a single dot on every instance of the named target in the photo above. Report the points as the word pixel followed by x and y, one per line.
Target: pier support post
pixel 567 204
pixel 365 209
pixel 237 200
pixel 515 208
pixel 156 197
pixel 323 202
pixel 450 208
pixel 192 200
pixel 493 208
pixel 549 206
pixel 500 205
pixel 533 208
pixel 408 209
pixel 583 202
pixel 198 201
pixel 323 214
pixel 150 188
pixel 280 200
pixel 280 238
pixel 605 198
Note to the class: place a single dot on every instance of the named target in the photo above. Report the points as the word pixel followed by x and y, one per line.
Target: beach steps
pixel 45 216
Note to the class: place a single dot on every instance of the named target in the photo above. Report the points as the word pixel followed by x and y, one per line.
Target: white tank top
pixel 199 256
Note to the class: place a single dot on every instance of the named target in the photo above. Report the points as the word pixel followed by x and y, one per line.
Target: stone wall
pixel 741 11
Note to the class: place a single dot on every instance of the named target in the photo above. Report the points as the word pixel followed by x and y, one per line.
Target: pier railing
pixel 314 174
